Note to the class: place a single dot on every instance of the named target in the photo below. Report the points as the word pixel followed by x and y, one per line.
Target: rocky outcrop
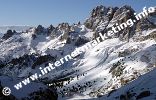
pixel 24 62
pixel 43 59
pixel 98 15
pixel 122 15
pixel 103 19
pixel 65 29
pixel 8 34
pixel 50 29
pixel 80 41
pixel 39 29
pixel 144 24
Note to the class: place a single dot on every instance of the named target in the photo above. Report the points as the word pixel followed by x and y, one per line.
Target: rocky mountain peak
pixel 124 9
pixel 63 26
pixel 99 14
pixel 99 11
pixel 8 34
pixel 103 18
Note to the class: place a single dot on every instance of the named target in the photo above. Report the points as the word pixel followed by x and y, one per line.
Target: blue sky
pixel 46 12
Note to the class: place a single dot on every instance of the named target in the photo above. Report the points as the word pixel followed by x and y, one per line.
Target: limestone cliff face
pixel 103 18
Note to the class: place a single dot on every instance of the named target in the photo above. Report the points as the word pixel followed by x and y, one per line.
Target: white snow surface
pixel 92 68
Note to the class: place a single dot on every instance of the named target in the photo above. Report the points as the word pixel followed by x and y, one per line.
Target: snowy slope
pixel 98 63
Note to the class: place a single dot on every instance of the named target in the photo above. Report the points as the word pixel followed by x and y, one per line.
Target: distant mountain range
pixel 3 29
